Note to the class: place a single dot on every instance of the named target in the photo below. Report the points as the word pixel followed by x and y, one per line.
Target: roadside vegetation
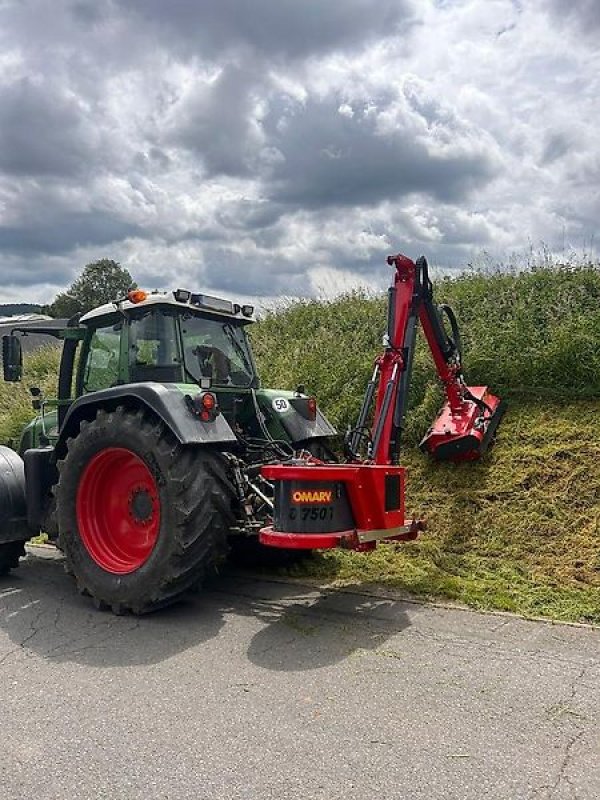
pixel 519 531
pixel 530 335
pixel 40 369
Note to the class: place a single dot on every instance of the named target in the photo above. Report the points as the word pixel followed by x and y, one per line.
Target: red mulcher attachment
pixel 465 434
pixel 337 505
pixel 468 420
pixel 354 505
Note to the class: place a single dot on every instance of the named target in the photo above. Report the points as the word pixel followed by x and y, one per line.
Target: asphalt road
pixel 275 690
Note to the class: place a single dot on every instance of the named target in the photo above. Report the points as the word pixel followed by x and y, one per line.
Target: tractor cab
pixel 173 352
pixel 174 337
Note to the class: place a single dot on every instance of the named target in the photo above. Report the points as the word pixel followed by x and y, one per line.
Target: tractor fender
pixel 13 510
pixel 300 429
pixel 164 400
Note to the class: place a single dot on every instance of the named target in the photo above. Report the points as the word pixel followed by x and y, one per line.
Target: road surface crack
pixel 563 772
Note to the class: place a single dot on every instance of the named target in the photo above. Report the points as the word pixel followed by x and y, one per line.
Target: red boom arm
pixel 356 504
pixel 470 416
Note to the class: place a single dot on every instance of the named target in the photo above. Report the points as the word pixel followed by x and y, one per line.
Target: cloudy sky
pixel 269 147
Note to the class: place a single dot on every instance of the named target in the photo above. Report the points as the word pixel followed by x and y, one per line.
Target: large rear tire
pixel 141 517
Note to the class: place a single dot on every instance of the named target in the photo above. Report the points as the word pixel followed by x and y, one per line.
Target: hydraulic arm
pixel 355 504
pixel 468 419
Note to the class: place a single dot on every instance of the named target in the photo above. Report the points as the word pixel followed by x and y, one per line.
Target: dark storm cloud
pixel 250 215
pixel 55 232
pixel 256 274
pixel 294 28
pixel 334 159
pixel 25 271
pixel 584 13
pixel 215 122
pixel 43 131
pixel 556 146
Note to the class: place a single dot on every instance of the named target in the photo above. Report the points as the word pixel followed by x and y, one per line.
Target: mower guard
pixel 353 506
pixel 465 434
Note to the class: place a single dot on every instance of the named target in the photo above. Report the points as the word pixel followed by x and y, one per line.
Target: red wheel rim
pixel 118 510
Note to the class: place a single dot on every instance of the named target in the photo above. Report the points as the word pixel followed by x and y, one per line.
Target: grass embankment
pixel 519 531
pixel 40 369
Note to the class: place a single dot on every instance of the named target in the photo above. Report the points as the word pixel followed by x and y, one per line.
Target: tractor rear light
pixel 305 406
pixel 137 295
pixel 182 295
pixel 204 406
pixel 209 401
pixel 247 311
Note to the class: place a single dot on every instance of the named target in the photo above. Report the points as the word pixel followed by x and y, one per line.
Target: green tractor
pixel 147 467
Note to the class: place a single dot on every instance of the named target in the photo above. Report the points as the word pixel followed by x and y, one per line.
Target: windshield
pixel 216 350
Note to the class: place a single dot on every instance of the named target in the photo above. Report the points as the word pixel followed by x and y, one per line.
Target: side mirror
pixel 12 358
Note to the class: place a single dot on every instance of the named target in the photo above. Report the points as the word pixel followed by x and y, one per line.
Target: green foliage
pixel 327 346
pixel 40 369
pixel 531 334
pixel 100 282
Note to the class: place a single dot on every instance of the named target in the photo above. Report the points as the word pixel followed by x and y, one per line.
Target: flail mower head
pixel 466 433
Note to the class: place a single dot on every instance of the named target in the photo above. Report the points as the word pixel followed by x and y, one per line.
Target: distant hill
pixel 16 309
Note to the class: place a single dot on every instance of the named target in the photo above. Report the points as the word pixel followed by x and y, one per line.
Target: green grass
pixel 40 369
pixel 534 334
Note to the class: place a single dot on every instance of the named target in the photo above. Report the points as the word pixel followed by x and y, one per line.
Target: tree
pixel 100 282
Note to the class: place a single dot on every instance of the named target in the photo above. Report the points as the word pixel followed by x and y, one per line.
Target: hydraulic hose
pixel 455 338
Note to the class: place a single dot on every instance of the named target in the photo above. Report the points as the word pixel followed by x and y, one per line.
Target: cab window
pixel 153 347
pixel 101 366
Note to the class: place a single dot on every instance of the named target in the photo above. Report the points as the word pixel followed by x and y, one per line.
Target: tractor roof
pixel 179 299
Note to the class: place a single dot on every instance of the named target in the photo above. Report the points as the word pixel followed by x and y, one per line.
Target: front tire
pixel 141 517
